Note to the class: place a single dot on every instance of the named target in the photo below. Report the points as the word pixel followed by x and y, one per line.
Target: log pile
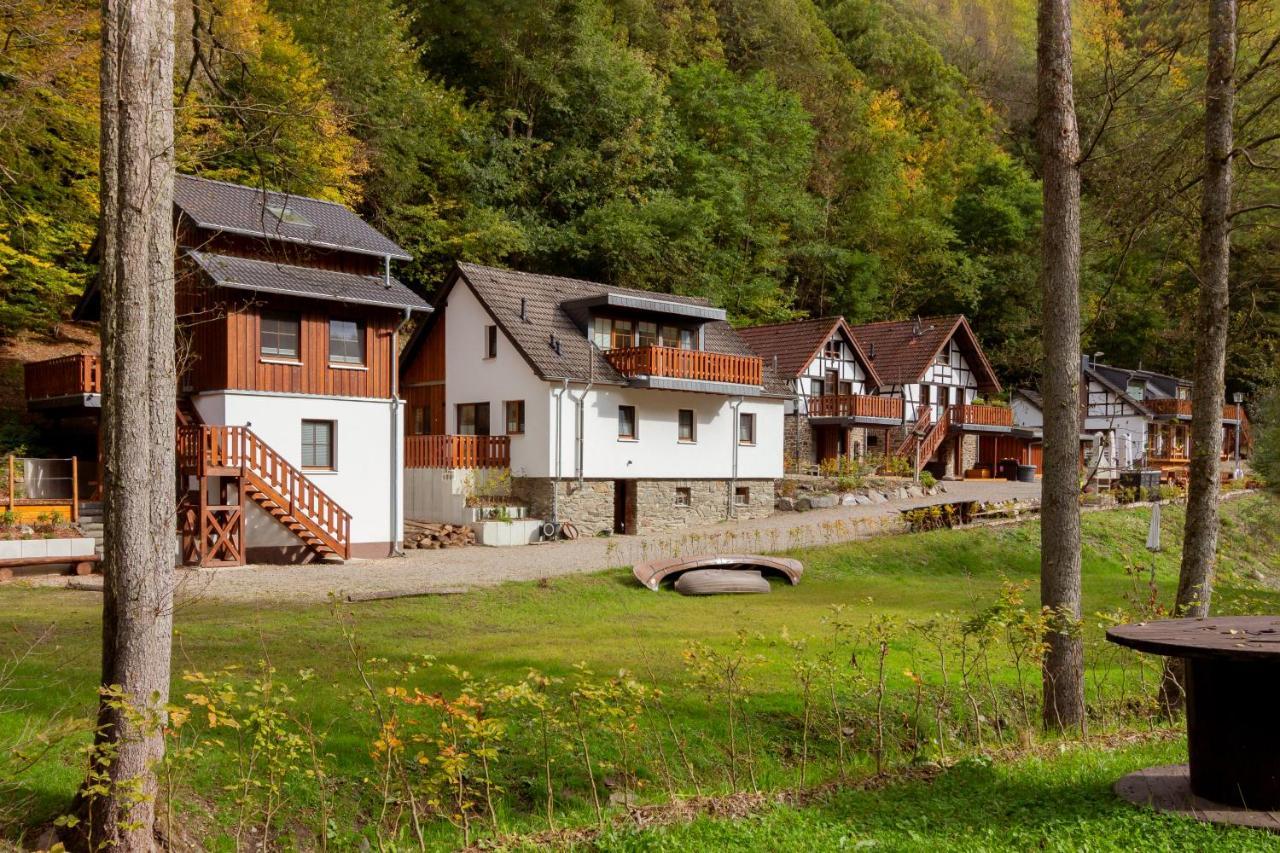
pixel 430 536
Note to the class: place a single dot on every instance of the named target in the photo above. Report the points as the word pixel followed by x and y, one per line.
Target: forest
pixel 872 158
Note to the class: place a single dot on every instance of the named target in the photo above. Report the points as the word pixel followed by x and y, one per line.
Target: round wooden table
pixel 1232 685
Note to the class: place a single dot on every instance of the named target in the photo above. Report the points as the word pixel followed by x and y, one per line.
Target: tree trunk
pixel 136 241
pixel 1059 144
pixel 1200 536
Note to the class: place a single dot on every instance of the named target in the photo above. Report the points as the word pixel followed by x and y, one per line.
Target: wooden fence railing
pixel 62 377
pixel 969 414
pixel 908 445
pixel 675 363
pixel 856 406
pixel 202 448
pixel 457 451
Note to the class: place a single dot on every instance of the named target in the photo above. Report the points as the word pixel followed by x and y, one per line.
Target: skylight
pixel 287 215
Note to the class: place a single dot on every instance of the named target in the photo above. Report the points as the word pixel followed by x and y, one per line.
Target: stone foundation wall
pixel 797 441
pixel 590 507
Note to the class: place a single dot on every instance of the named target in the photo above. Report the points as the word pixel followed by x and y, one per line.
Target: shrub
pixel 1266 446
pixel 928 480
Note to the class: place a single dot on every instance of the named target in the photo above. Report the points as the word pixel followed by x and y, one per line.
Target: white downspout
pixel 397 482
pixel 555 480
pixel 579 421
pixel 734 404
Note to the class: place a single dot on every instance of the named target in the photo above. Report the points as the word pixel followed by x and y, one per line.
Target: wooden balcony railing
pixel 974 415
pixel 855 406
pixel 63 377
pixel 1168 406
pixel 457 451
pixel 675 363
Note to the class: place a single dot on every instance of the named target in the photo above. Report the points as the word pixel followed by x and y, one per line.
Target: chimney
pixel 915 327
pixel 871 351
pixel 524 309
pixel 775 362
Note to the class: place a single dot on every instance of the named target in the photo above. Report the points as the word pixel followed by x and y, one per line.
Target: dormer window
pixel 287 215
pixel 944 355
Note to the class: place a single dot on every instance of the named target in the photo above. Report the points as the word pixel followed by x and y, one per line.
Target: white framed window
pixel 317 445
pixel 473 419
pixel 346 342
pixel 746 428
pixel 278 336
pixel 515 417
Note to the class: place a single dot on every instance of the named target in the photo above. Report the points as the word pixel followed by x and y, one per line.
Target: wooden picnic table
pixel 1232 685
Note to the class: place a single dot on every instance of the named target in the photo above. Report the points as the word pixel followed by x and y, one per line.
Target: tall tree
pixel 1058 138
pixel 1200 536
pixel 136 238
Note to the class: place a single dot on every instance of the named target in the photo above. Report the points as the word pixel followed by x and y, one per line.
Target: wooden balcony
pixel 969 415
pixel 674 363
pixel 68 376
pixel 856 406
pixel 457 451
pixel 1168 407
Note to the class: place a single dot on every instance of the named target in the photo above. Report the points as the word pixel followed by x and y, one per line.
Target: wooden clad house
pixel 616 409
pixel 289 416
pixel 833 384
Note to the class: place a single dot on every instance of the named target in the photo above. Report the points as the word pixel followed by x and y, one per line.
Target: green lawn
pixel 607 623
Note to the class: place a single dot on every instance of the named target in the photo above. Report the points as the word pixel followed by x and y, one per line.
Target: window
pixel 686 339
pixel 1135 390
pixel 834 348
pixel 627 422
pixel 515 417
pixel 746 428
pixel 944 354
pixel 346 342
pixel 684 496
pixel 817 388
pixel 846 388
pixel 622 334
pixel 490 341
pixel 687 431
pixel 473 419
pixel 670 336
pixel 317 444
pixel 647 333
pixel 926 395
pixel 279 335
pixel 741 496
pixel 287 214
pixel 420 420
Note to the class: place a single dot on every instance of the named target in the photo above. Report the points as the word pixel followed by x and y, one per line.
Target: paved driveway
pixel 456 570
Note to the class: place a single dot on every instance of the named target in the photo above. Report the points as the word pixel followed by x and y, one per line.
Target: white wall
pixel 1026 413
pixel 363 440
pixel 657 453
pixel 471 378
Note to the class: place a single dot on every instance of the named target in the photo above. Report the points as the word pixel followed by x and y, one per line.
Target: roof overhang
pixel 582 307
pixel 264 234
pixel 666 383
pixel 288 280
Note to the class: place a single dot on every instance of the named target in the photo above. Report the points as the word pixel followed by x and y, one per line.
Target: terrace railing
pixel 969 414
pixel 63 377
pixel 675 363
pixel 856 406
pixel 457 451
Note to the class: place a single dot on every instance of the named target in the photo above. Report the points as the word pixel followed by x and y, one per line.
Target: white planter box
pixel 15 549
pixel 507 533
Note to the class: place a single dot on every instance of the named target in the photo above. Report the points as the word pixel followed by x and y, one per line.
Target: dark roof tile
pixel 901 355
pixel 307 282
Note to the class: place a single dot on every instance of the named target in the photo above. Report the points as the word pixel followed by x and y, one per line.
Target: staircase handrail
pixel 203 447
pixel 913 435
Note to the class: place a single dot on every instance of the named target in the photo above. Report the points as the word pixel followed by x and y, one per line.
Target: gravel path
pixel 460 569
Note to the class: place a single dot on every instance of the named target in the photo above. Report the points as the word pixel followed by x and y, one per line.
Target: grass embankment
pixel 607 623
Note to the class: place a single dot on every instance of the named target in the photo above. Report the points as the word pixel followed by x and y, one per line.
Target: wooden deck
pixel 66 376
pixel 675 363
pixel 970 415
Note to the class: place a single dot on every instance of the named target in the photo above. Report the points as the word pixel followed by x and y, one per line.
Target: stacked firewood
pixel 427 535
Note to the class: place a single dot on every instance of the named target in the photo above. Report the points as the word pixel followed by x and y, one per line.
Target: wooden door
pixel 624 507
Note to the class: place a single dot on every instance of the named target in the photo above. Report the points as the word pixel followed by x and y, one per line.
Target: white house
pixel 834 401
pixel 615 409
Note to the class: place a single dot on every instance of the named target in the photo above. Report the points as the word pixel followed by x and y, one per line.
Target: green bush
pixel 928 480
pixel 1266 444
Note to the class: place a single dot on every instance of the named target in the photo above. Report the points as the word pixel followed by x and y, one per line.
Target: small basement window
pixel 317 445
pixel 684 496
pixel 742 495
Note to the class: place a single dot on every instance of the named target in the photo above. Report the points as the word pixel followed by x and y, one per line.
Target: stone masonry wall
pixel 590 507
pixel 797 441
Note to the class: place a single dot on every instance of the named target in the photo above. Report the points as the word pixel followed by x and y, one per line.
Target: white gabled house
pixel 614 409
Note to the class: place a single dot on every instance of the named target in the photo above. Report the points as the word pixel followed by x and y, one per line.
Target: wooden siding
pixel 247 370
pixel 430 396
pixel 422 381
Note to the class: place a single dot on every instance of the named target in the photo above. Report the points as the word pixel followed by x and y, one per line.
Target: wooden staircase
pixel 926 435
pixel 230 464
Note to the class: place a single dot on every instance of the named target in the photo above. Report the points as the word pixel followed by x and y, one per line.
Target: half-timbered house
pixel 833 386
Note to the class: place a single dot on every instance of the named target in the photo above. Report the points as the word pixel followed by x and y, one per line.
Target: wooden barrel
pixel 720 582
